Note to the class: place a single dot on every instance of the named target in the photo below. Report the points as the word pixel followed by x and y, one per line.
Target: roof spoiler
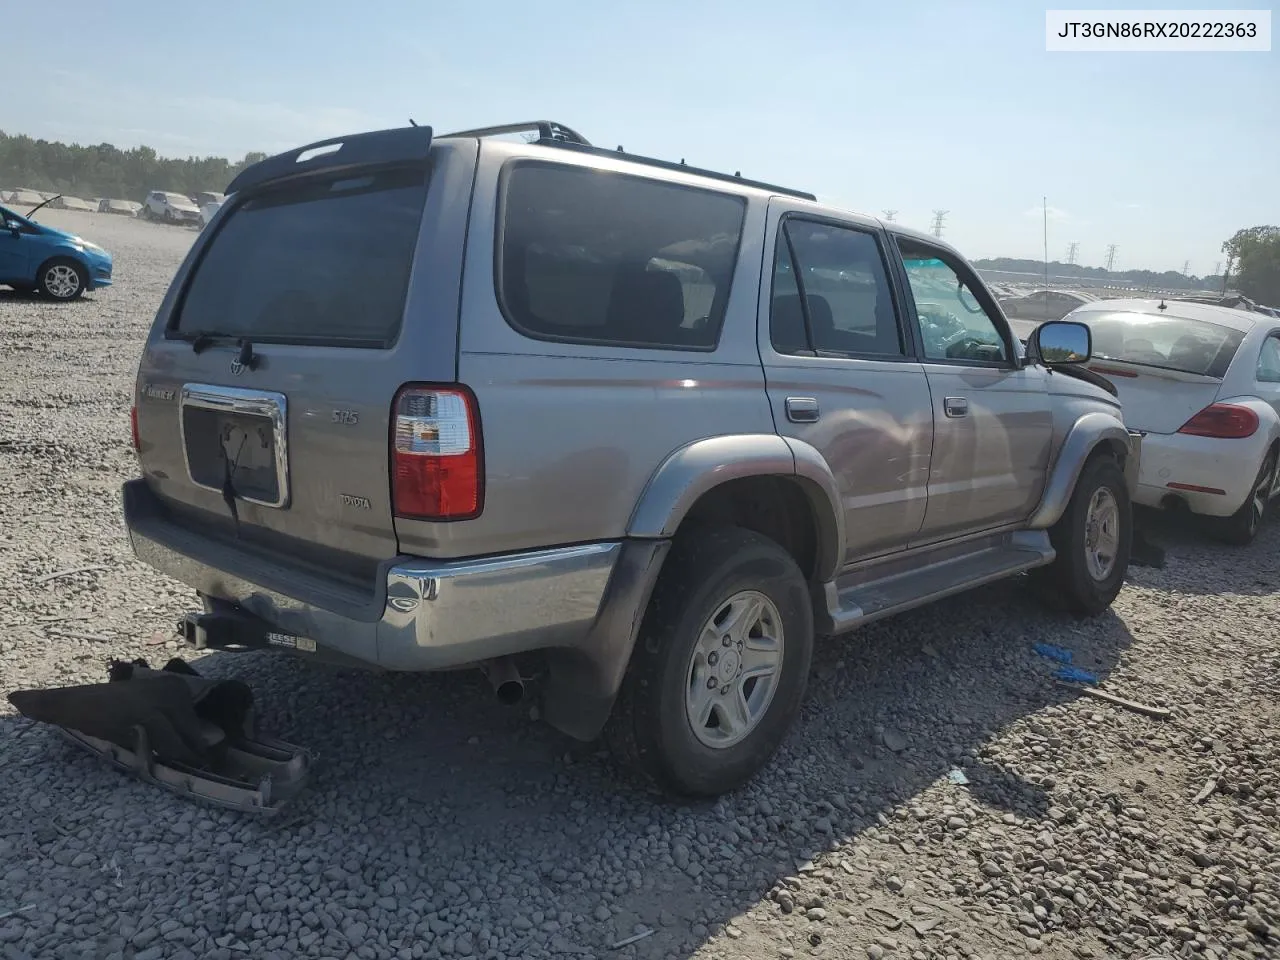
pixel 376 148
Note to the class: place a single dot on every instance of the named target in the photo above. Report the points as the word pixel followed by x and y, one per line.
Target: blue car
pixel 57 264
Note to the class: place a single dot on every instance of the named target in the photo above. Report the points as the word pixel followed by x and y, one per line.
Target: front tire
pixel 62 279
pixel 1092 540
pixel 720 665
pixel 1241 527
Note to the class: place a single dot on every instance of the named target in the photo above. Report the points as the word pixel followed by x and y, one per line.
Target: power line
pixel 1072 249
pixel 938 217
pixel 1111 256
pixel 890 214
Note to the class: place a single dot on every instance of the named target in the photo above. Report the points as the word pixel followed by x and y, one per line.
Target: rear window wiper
pixel 202 339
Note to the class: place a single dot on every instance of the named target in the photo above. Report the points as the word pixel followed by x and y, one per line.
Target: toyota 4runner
pixel 420 402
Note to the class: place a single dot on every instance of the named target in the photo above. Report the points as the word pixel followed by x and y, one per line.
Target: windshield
pixel 321 263
pixel 9 216
pixel 1165 342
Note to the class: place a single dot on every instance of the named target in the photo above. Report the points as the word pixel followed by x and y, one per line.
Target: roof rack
pixel 553 134
pixel 685 168
pixel 548 131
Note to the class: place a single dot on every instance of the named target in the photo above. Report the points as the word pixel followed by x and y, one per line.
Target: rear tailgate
pixel 265 392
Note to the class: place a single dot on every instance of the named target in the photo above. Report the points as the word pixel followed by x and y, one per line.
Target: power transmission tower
pixel 938 217
pixel 1217 269
pixel 890 214
pixel 1186 268
pixel 1072 249
pixel 1111 256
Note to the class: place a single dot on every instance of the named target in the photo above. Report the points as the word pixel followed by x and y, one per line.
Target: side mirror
pixel 1060 342
pixel 14 228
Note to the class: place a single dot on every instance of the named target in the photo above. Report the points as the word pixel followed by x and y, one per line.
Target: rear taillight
pixel 1225 421
pixel 133 429
pixel 436 460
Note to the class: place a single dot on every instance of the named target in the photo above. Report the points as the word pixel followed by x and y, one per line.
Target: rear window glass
pixel 595 257
pixel 324 263
pixel 1170 343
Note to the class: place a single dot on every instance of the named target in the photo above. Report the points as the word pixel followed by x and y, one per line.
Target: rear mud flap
pixel 175 729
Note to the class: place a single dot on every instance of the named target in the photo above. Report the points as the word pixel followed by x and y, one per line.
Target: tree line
pixel 105 170
pixel 1254 254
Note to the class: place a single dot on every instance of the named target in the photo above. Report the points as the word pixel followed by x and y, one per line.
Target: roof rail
pixel 684 168
pixel 548 131
pixel 553 134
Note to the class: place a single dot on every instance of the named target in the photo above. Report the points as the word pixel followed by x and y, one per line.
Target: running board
pixel 911 580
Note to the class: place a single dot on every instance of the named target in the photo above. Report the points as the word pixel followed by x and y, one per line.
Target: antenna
pixel 1111 256
pixel 1072 249
pixel 1045 203
pixel 890 214
pixel 938 217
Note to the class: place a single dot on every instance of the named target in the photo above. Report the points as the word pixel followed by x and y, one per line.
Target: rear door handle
pixel 802 409
pixel 955 406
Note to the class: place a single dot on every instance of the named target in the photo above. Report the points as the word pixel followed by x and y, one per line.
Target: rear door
pixel 841 374
pixel 265 393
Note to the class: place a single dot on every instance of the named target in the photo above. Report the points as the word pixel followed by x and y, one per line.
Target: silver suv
pixel 636 430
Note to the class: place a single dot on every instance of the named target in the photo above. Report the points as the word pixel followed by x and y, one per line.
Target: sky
pixel 914 107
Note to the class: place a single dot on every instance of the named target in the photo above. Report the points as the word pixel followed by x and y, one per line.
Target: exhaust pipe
pixel 506 680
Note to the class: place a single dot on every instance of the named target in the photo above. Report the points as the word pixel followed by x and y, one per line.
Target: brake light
pixel 436 461
pixel 1225 421
pixel 133 429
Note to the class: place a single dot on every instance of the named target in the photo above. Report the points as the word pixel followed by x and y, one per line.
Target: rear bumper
pixel 424 615
pixel 1227 466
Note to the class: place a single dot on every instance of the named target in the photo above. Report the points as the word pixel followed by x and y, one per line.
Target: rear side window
pixel 319 263
pixel 831 293
pixel 592 257
pixel 1166 342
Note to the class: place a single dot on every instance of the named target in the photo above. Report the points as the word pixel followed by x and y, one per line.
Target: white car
pixel 208 210
pixel 170 207
pixel 1203 383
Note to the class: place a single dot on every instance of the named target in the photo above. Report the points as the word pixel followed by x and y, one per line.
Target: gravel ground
pixel 442 825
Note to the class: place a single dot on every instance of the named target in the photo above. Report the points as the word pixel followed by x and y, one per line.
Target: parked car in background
pixel 170 207
pixel 125 208
pixel 208 196
pixel 72 203
pixel 1203 383
pixel 1045 305
pixel 208 210
pixel 786 416
pixel 54 263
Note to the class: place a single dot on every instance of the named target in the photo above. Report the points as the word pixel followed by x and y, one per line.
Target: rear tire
pixel 729 607
pixel 1092 540
pixel 1242 527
